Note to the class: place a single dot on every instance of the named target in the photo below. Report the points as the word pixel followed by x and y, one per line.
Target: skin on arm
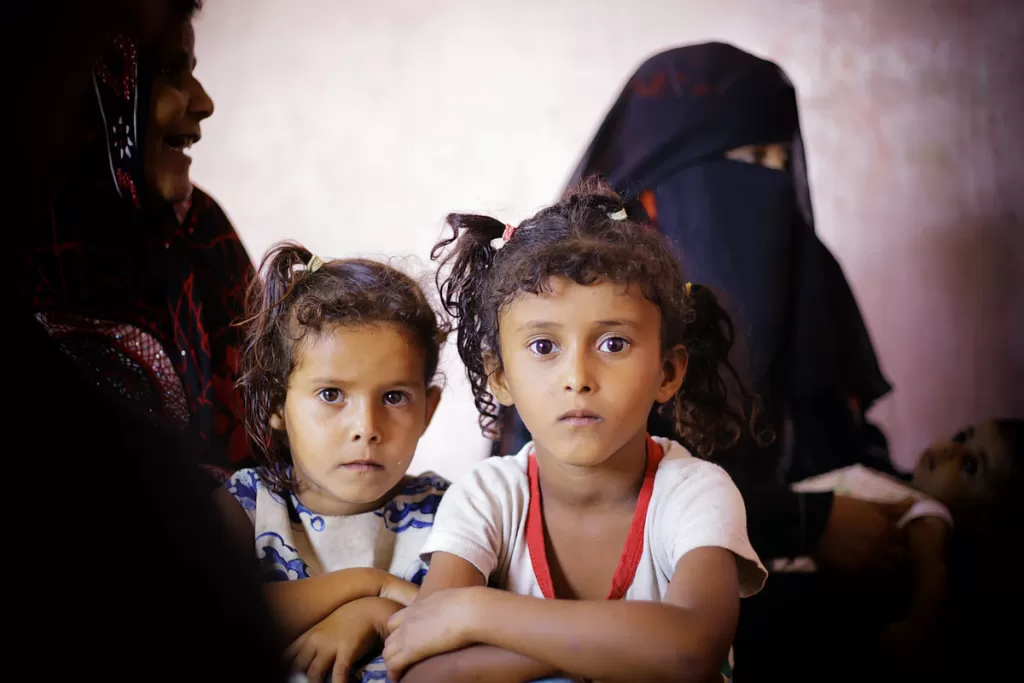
pixel 927 544
pixel 299 605
pixel 476 662
pixel 338 642
pixel 926 540
pixel 449 571
pixel 684 638
pixel 910 641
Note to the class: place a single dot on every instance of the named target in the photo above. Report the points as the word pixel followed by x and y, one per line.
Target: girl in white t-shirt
pixel 337 380
pixel 620 557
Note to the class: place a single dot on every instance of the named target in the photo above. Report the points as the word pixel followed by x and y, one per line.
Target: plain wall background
pixel 354 128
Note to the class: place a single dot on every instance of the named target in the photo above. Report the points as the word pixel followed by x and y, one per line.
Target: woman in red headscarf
pixel 135 273
pixel 118 514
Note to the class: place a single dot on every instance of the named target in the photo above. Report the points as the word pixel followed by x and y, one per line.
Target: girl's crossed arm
pixel 302 604
pixel 698 535
pixel 471 531
pixel 685 638
pixel 475 662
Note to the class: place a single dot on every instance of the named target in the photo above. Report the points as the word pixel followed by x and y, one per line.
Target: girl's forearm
pixel 299 605
pixel 609 641
pixel 479 663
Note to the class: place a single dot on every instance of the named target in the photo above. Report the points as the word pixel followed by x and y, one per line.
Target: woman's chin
pixel 174 190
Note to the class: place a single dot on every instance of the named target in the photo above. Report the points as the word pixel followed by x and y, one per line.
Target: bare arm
pixel 449 571
pixel 476 662
pixel 909 641
pixel 299 605
pixel 927 544
pixel 685 638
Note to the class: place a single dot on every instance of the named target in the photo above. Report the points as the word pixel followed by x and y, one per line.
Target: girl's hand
pixel 441 623
pixel 399 590
pixel 340 640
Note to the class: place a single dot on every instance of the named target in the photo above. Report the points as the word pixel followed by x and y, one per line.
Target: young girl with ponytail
pixel 619 557
pixel 338 382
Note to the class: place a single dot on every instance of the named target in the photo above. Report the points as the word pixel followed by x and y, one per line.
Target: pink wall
pixel 917 145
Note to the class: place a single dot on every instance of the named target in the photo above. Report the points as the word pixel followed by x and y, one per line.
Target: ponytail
pixel 465 261
pixel 280 272
pixel 708 409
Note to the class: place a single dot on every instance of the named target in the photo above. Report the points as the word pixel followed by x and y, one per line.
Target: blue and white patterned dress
pixel 292 542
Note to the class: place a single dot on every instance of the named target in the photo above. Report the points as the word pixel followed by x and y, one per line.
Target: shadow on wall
pixel 918 188
pixel 972 327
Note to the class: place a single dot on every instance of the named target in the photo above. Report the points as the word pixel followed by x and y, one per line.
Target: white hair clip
pixel 499 242
pixel 315 263
pixel 619 215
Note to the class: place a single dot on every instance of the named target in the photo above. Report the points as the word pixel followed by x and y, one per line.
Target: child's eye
pixel 969 465
pixel 542 347
pixel 330 395
pixel 396 398
pixel 614 345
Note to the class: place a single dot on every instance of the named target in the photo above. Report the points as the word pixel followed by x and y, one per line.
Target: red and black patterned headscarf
pixel 141 295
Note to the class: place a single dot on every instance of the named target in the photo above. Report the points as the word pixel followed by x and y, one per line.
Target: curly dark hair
pixel 585 239
pixel 285 302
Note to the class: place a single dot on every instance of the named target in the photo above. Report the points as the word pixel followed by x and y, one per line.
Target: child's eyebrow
pixel 549 324
pixel 393 383
pixel 538 325
pixel 618 323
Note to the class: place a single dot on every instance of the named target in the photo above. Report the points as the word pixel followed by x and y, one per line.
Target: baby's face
pixel 966 468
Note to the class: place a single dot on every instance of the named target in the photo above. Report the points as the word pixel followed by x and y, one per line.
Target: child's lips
pixel 580 418
pixel 362 466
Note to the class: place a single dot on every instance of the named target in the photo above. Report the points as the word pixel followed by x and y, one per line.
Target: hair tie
pixel 619 215
pixel 314 264
pixel 499 242
pixel 689 286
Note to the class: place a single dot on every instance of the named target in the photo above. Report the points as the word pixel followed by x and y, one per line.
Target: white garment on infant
pixel 865 483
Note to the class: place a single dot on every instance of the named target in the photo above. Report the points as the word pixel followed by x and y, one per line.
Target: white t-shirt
pixel 483 519
pixel 858 481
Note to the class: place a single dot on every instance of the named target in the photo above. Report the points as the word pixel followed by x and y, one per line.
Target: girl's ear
pixel 497 380
pixel 673 373
pixel 433 399
pixel 277 421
